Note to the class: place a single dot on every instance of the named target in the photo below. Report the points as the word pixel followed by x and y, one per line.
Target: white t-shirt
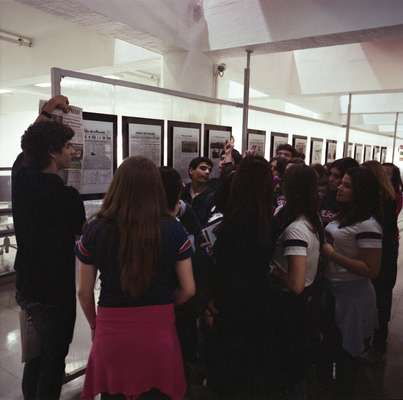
pixel 347 241
pixel 298 239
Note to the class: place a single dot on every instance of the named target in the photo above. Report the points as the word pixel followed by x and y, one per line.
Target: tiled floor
pixel 384 381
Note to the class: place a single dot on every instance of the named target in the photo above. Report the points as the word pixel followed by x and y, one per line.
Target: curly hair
pixel 43 138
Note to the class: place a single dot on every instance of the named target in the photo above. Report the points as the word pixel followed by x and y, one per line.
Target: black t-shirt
pixel 99 246
pixel 47 217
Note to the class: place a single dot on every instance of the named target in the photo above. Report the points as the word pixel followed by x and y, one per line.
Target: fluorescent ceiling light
pixel 4 91
pixel 111 76
pixel 44 85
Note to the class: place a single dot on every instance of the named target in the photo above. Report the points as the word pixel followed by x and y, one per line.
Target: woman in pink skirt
pixel 143 258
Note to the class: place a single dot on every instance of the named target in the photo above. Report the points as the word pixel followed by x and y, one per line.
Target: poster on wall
pixel 350 149
pixel 257 141
pixel 358 150
pixel 367 152
pixel 376 153
pixel 215 137
pixel 300 143
pixel 100 154
pixel 277 138
pixel 73 119
pixel 331 147
pixel 143 137
pixel 183 145
pixel 316 151
pixel 382 159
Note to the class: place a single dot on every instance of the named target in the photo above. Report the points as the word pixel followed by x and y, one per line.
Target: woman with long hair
pixel 393 173
pixel 354 251
pixel 386 279
pixel 295 265
pixel 143 257
pixel 237 357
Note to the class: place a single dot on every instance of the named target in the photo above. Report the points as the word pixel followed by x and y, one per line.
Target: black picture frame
pixel 384 152
pixel 260 133
pixel 376 150
pixel 127 120
pixel 273 146
pixel 311 152
pixel 91 116
pixel 294 142
pixel 367 152
pixel 180 124
pixel 328 159
pixel 359 147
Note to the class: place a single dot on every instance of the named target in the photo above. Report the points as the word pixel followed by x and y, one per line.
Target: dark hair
pixel 250 201
pixel 173 186
pixel 296 161
pixel 343 164
pixel 287 147
pixel 396 177
pixel 198 160
pixel 386 189
pixel 320 170
pixel 136 202
pixel 43 138
pixel 281 163
pixel 300 186
pixel 365 202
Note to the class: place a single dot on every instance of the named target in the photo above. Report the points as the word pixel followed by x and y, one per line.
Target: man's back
pixel 47 216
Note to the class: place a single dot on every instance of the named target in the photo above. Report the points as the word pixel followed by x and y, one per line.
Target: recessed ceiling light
pixel 4 91
pixel 44 85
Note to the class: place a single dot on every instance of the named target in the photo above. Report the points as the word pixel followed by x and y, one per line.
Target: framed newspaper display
pixel 367 152
pixel 143 137
pixel 257 139
pixel 358 150
pixel 300 143
pixel 316 150
pixel 350 149
pixel 215 137
pixel 99 160
pixel 383 155
pixel 184 139
pixel 277 138
pixel 331 147
pixel 376 153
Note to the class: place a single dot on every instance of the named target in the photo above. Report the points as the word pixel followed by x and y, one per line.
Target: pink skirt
pixel 135 349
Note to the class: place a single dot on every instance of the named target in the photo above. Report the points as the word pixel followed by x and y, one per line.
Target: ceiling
pixel 308 54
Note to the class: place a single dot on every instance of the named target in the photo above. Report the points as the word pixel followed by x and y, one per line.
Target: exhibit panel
pixel 276 139
pixel 316 151
pixel 257 141
pixel 215 137
pixel 358 153
pixel 100 154
pixel 367 152
pixel 383 155
pixel 331 148
pixel 184 140
pixel 143 137
pixel 376 153
pixel 300 143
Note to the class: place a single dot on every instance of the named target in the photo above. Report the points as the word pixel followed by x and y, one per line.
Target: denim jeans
pixel 43 375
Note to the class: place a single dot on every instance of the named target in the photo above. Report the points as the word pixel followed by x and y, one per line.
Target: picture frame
pixel 384 151
pixel 376 153
pixel 316 150
pixel 331 149
pixel 300 144
pixel 367 152
pixel 358 152
pixel 145 137
pixel 100 144
pixel 277 138
pixel 257 138
pixel 184 144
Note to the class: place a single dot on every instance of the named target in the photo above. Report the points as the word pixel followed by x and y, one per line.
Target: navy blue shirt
pixel 99 246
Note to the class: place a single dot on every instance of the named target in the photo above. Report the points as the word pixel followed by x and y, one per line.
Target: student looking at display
pixel 143 256
pixel 354 250
pixel 286 151
pixel 199 193
pixel 47 217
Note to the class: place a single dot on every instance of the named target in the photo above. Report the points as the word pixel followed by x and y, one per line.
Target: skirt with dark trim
pixel 135 349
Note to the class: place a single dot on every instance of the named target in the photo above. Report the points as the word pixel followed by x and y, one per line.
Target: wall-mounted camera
pixel 220 69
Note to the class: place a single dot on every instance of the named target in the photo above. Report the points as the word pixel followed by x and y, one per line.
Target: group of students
pixel 249 308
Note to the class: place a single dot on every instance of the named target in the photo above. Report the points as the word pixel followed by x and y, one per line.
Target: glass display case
pixel 8 245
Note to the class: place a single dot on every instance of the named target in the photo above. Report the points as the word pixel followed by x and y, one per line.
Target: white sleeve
pixel 369 235
pixel 295 240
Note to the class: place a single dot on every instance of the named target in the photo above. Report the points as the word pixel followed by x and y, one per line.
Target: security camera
pixel 220 69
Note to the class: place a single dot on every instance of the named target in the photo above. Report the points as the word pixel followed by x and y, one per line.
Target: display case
pixel 8 245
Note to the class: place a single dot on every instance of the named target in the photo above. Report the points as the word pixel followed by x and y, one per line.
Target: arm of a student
pixel 87 277
pixel 60 102
pixel 187 286
pixel 294 280
pixel 366 264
